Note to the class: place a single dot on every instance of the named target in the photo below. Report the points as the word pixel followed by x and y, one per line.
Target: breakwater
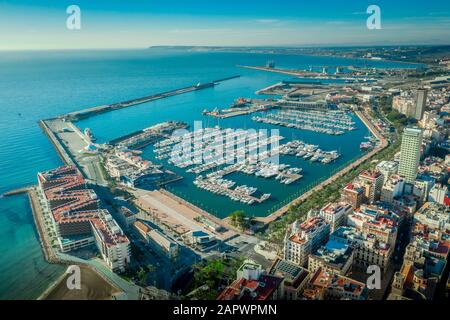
pixel 86 113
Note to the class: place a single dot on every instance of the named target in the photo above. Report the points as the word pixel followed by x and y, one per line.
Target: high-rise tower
pixel 421 101
pixel 410 154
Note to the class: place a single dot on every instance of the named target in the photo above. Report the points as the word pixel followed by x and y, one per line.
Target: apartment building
pixel 387 169
pixel 393 187
pixel 334 256
pixel 78 219
pixel 326 285
pixel 410 154
pixel 335 214
pixel 304 239
pixel 295 279
pixel 372 180
pixel 376 221
pixel 368 249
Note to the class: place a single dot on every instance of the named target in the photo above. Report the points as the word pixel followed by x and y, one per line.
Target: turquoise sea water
pixel 36 85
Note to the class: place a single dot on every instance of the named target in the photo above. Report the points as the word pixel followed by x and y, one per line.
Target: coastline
pixel 224 49
pixel 52 286
pixel 43 240
pixel 37 213
pixel 67 158
pixel 94 286
pixel 94 275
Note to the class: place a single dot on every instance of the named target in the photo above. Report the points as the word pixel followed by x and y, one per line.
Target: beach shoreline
pixel 93 276
pixel 93 287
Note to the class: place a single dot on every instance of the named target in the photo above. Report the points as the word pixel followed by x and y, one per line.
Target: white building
pixel 392 188
pixel 435 216
pixel 304 239
pixel 336 214
pixel 368 249
pixel 421 189
pixel 438 193
pixel 157 239
pixel 112 243
pixel 410 154
pixel 387 169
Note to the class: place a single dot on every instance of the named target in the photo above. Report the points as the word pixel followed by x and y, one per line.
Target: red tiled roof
pixel 243 289
pixel 71 201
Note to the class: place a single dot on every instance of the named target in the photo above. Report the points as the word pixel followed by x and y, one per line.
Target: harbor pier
pixel 86 113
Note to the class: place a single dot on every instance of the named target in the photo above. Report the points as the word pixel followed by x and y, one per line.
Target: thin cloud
pixel 359 13
pixel 267 21
pixel 201 30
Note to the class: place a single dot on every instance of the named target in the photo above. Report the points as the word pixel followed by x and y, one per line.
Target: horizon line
pixel 299 46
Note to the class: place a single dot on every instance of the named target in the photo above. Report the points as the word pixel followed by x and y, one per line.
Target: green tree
pixel 212 276
pixel 142 276
pixel 238 219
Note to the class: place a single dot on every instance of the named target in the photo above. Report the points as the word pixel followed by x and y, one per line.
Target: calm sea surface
pixel 36 85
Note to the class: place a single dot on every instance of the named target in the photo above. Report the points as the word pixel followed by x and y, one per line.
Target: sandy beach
pixel 93 287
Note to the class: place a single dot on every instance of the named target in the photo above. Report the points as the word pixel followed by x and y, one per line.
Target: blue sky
pixel 41 24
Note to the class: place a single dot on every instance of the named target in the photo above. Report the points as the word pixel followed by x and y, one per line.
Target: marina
pixel 144 137
pixel 220 186
pixel 240 107
pixel 209 148
pixel 331 122
pixel 309 152
pixel 205 153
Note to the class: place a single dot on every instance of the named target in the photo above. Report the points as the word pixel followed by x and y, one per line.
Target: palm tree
pixel 151 268
pixel 142 276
